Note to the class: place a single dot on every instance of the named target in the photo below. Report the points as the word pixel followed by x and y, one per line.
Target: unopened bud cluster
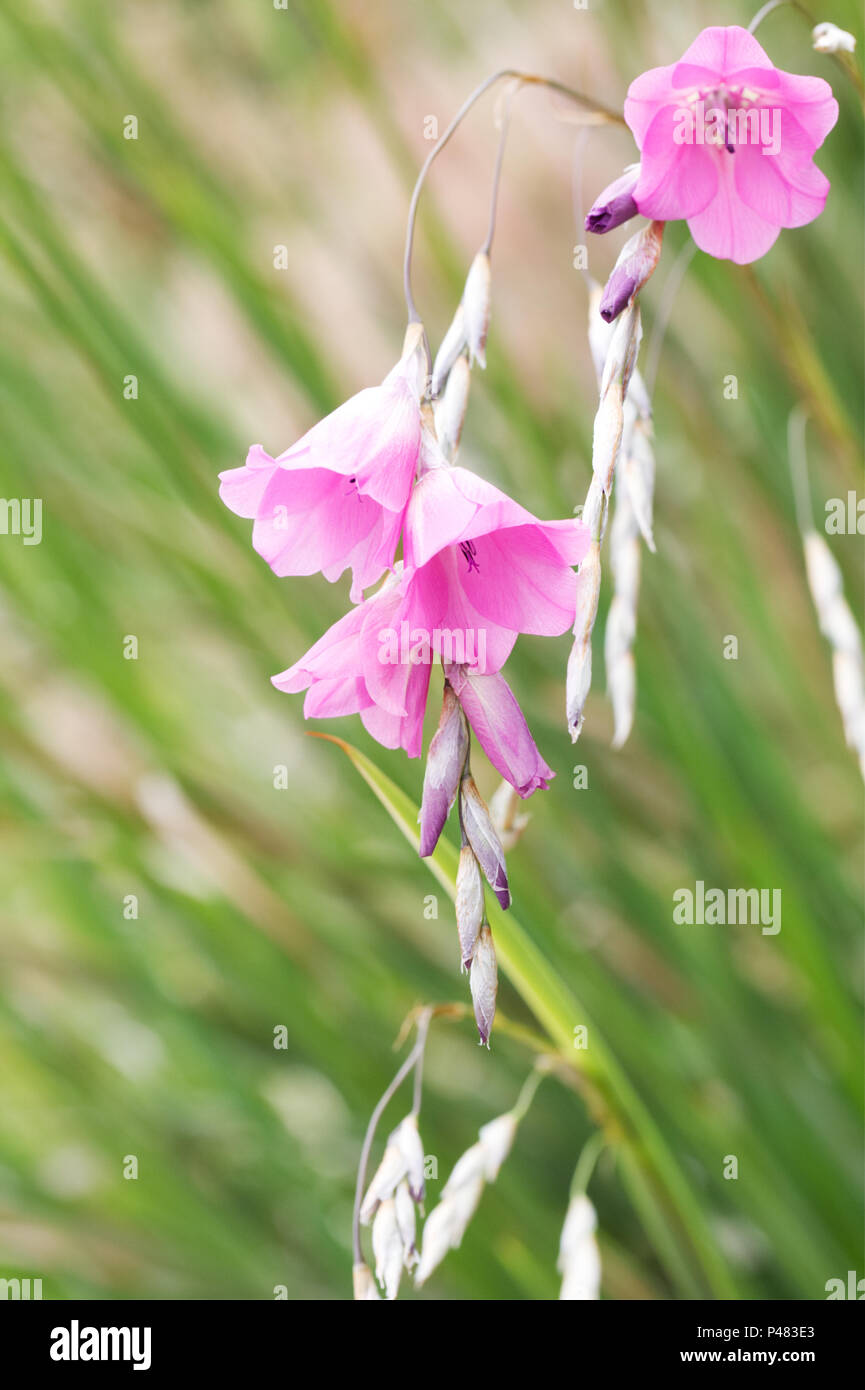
pixel 448 779
pixel 390 1202
pixel 445 1226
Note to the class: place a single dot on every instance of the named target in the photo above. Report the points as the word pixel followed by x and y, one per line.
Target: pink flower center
pixel 726 116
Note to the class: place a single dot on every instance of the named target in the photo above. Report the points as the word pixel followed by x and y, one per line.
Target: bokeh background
pixel 303 907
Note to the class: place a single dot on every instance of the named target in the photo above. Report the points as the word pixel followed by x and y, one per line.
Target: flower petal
pixel 719 54
pixel 501 728
pixel 810 101
pixel 728 228
pixel 763 183
pixel 516 578
pixel 646 94
pixel 402 731
pixel 676 180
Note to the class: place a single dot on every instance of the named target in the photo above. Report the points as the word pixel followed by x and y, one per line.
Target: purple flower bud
pixel 481 834
pixel 616 204
pixel 637 259
pixel 444 766
pixel 618 292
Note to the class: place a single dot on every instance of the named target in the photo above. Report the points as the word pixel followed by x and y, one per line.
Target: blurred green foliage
pixel 153 1035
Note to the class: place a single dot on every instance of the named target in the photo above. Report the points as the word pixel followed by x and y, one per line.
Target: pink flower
pixel 483 566
pixel 336 499
pixel 479 569
pixel 340 673
pixel 500 725
pixel 726 142
pixel 487 570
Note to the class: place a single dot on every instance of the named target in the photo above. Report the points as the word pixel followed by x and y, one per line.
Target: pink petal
pixel 676 180
pixel 241 489
pixel 764 185
pixel 500 725
pixel 517 579
pixel 374 438
pixel 311 520
pixel 718 54
pixel 810 101
pixel 646 94
pixel 332 698
pixel 332 656
pixel 406 731
pixel 382 633
pixel 440 605
pixel 438 513
pixel 728 228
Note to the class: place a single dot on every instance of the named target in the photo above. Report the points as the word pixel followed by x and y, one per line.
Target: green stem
pixel 589 1156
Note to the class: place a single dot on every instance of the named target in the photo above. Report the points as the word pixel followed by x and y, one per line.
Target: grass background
pixel 302 907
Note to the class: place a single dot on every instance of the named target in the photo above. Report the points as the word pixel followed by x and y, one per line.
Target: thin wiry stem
pixel 422 1030
pixel 414 1057
pixel 761 14
pixel 589 1156
pixel 497 172
pixel 541 1069
pixel 525 79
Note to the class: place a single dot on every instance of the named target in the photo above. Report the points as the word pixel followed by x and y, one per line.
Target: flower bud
pixel 446 1224
pixel 637 259
pixel 439 1228
pixel 414 352
pixel 497 1139
pixel 408 1141
pixel 616 204
pixel 578 683
pixel 476 303
pixel 481 835
pixel 828 38
pixel 469 903
pixel 405 1220
pixel 403 1158
pixel 579 1261
pixel 480 1164
pixel 390 1171
pixel 364 1285
pixel 387 1247
pixel 484 984
pixel 469 1166
pixel 444 765
pixel 452 344
pixel 450 407
pixel 507 819
pixel 639 474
